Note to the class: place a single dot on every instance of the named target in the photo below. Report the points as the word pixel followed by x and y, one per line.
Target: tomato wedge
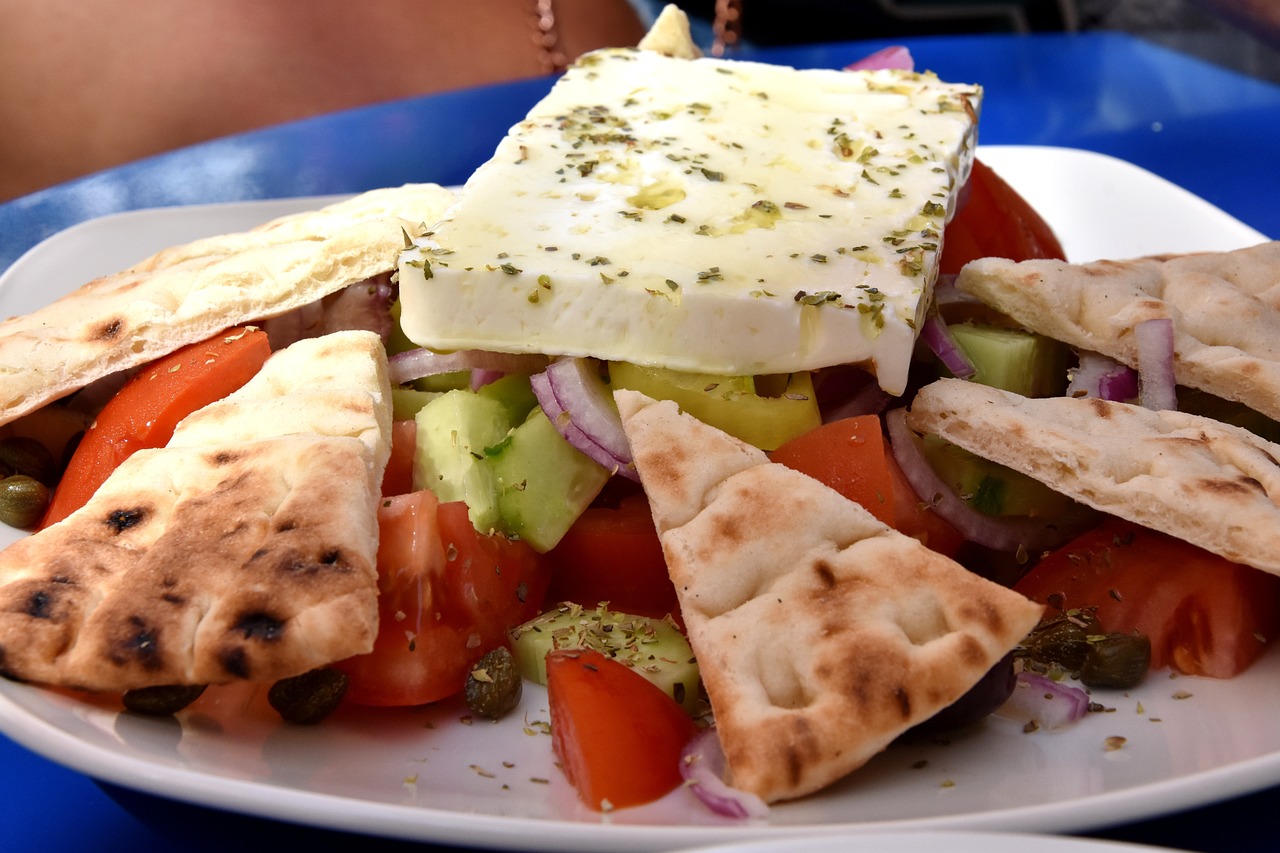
pixel 145 411
pixel 1204 614
pixel 397 479
pixel 995 222
pixel 617 735
pixel 612 553
pixel 446 595
pixel 849 455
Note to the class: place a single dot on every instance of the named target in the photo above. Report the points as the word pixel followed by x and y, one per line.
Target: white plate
pixel 933 842
pixel 424 774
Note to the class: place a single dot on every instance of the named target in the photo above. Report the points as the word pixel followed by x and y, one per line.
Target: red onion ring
pixel 999 533
pixel 896 57
pixel 702 766
pixel 1048 703
pixel 416 363
pixel 1157 387
pixel 1103 377
pixel 576 400
pixel 937 336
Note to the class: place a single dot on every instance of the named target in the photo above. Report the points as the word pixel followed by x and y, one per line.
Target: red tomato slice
pixel 995 222
pixel 617 735
pixel 848 455
pixel 1204 614
pixel 495 583
pixel 145 411
pixel 446 595
pixel 612 553
pixel 398 477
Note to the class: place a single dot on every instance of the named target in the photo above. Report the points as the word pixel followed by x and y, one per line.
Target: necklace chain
pixel 546 37
pixel 727 30
pixel 727 27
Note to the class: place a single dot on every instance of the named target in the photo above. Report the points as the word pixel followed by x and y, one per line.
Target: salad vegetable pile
pixel 513 522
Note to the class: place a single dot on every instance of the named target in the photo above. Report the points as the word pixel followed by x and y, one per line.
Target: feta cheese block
pixel 703 215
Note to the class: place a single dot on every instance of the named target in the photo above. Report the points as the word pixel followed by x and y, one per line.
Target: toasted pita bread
pixel 671 35
pixel 244 550
pixel 1203 481
pixel 189 293
pixel 821 634
pixel 1225 308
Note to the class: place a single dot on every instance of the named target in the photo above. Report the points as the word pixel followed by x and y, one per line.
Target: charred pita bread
pixel 821 634
pixel 1225 308
pixel 1209 483
pixel 189 293
pixel 244 550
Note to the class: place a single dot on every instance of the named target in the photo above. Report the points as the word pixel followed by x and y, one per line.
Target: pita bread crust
pixel 1225 308
pixel 821 634
pixel 204 563
pixel 671 35
pixel 189 293
pixel 1209 483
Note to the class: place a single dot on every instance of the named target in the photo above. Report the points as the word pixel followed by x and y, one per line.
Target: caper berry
pixel 310 697
pixel 23 455
pixel 163 700
pixel 1118 661
pixel 23 501
pixel 494 685
pixel 1061 640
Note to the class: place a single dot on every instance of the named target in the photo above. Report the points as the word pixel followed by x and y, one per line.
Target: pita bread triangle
pixel 821 634
pixel 1203 481
pixel 244 550
pixel 1225 308
pixel 191 292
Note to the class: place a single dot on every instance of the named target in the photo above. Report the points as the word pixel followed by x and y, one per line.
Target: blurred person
pixel 1260 18
pixel 91 84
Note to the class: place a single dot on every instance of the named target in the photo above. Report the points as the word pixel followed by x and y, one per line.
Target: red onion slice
pixel 896 57
pixel 418 363
pixel 702 765
pixel 575 399
pixel 582 391
pixel 937 336
pixel 364 305
pixel 1103 377
pixel 1157 387
pixel 999 533
pixel 1049 704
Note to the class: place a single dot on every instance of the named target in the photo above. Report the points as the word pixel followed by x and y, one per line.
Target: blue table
pixel 1207 129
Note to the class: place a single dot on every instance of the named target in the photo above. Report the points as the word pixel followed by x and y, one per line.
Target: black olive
pixel 23 501
pixel 991 691
pixel 494 685
pixel 163 700
pixel 22 455
pixel 1117 661
pixel 310 697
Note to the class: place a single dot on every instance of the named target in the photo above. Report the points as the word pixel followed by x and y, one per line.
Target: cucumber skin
pixel 656 648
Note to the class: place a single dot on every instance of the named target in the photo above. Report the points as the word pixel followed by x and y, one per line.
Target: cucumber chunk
pixel 515 394
pixel 407 402
pixel 992 488
pixel 654 647
pixel 1014 360
pixel 543 482
pixel 454 431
